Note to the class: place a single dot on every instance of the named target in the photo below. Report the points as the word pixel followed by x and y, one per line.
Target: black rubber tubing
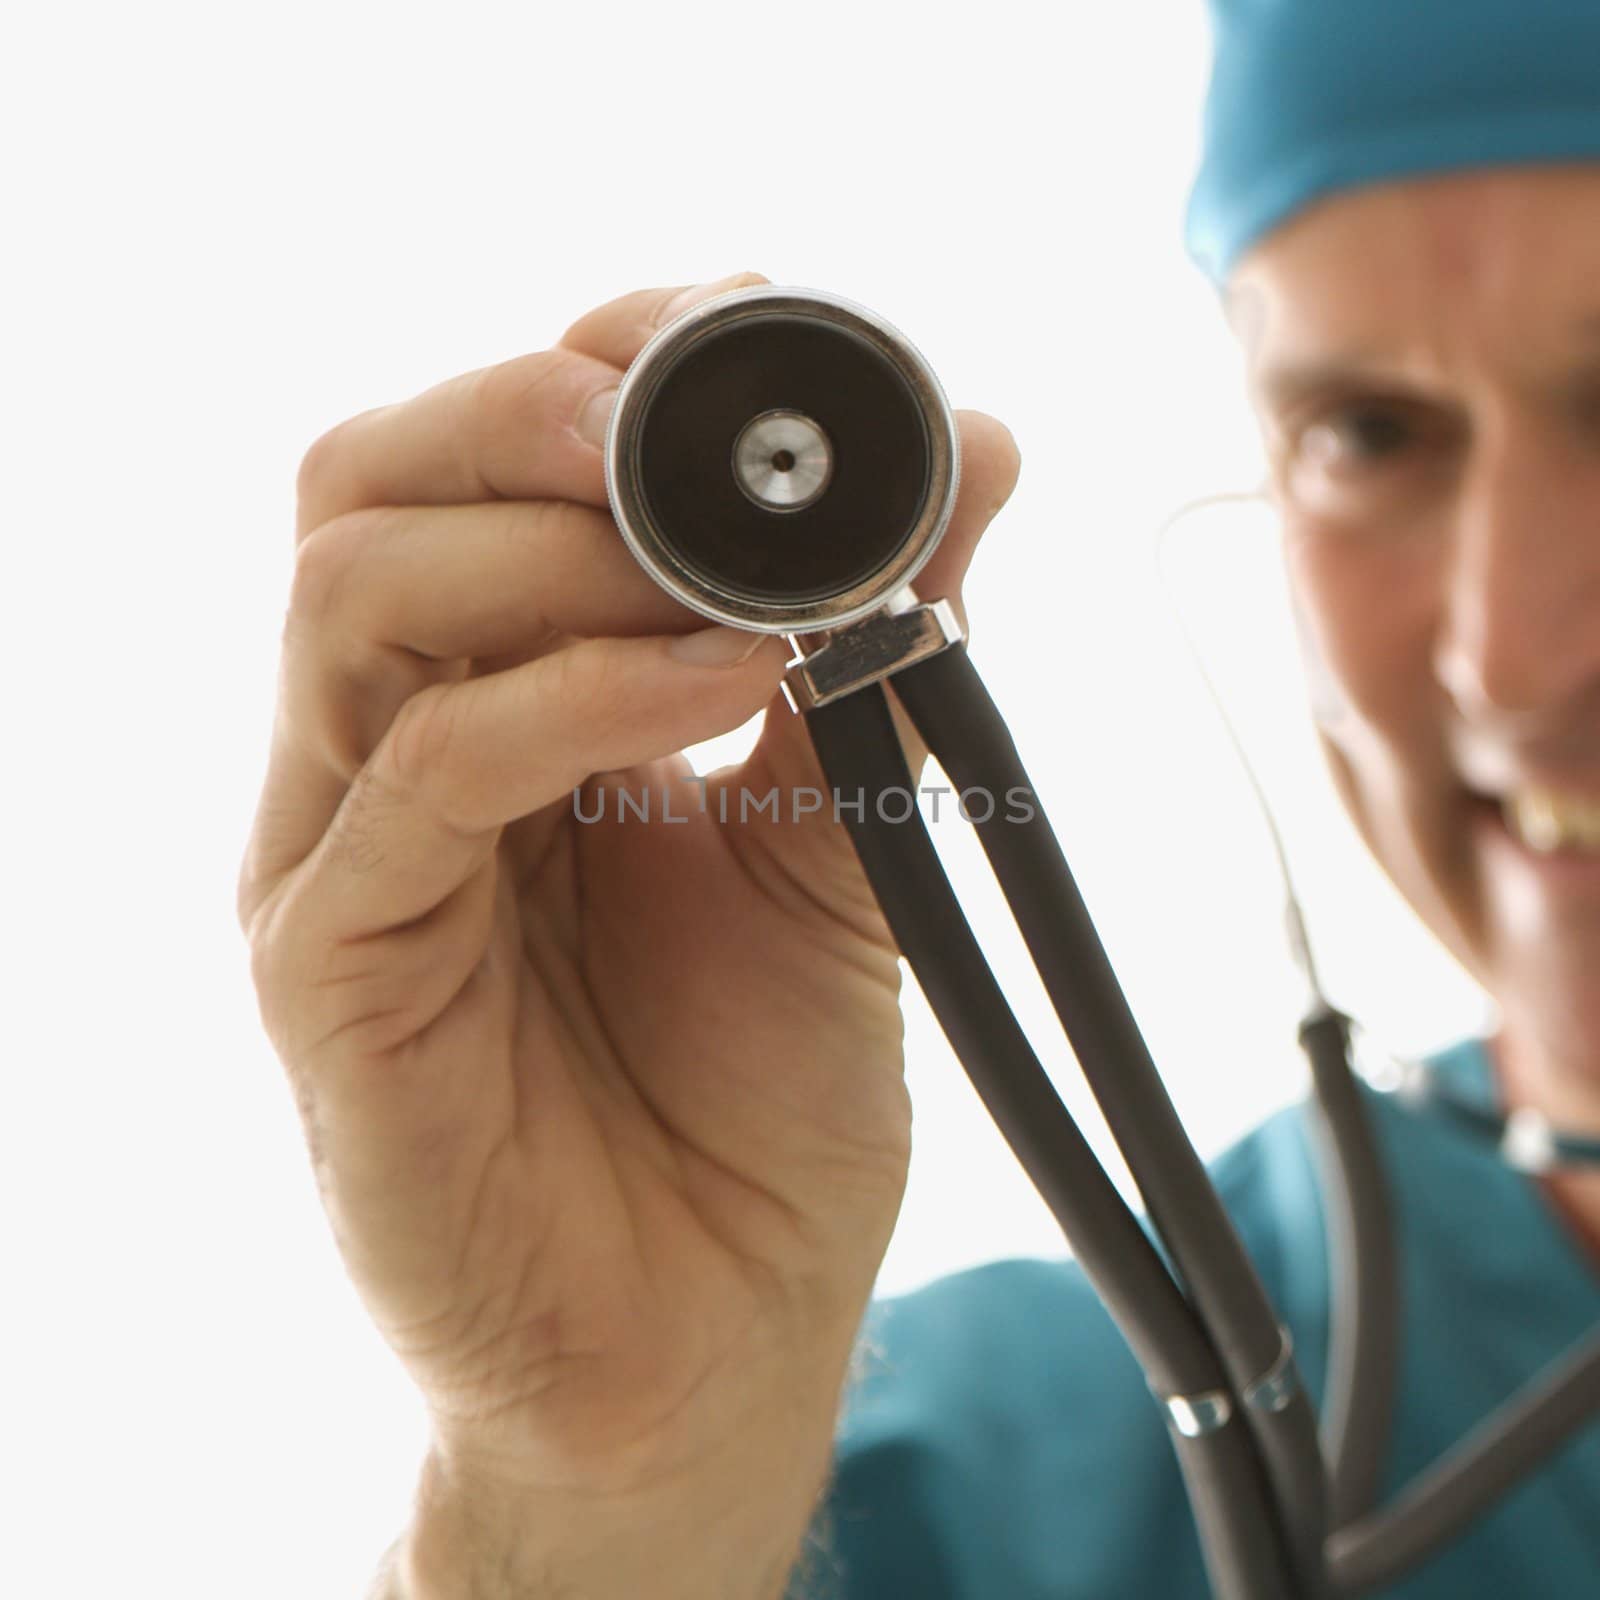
pixel 947 701
pixel 1364 1330
pixel 858 747
pixel 1494 1457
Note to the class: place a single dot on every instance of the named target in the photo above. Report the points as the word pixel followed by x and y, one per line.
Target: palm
pixel 676 1096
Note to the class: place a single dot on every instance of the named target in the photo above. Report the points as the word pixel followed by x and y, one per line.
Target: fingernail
pixel 596 413
pixel 685 298
pixel 716 647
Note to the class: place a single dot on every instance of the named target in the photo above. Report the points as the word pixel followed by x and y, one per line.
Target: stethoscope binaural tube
pixel 1373 1547
pixel 1513 1440
pixel 1364 1308
pixel 1363 1333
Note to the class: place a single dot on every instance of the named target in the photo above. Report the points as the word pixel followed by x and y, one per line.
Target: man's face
pixel 1425 362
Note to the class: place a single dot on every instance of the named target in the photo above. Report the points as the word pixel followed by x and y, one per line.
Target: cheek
pixel 1367 619
pixel 1364 619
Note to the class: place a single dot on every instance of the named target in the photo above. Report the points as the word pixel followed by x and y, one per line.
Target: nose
pixel 1519 634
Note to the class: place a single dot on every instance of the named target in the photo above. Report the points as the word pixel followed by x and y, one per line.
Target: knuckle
pixel 324 561
pixel 264 963
pixel 246 897
pixel 570 677
pixel 421 745
pixel 517 390
pixel 665 307
pixel 326 473
pixel 260 887
pixel 589 683
pixel 269 977
pixel 320 464
pixel 422 733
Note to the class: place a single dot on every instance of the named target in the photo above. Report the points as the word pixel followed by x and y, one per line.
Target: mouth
pixel 1553 832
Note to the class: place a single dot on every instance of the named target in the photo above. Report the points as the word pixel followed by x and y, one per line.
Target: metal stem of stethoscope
pixel 1369 1547
pixel 1363 1336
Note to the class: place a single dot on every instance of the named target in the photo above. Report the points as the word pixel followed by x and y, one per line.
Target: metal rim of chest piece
pixel 854 411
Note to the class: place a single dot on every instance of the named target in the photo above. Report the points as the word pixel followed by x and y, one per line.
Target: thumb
pixel 990 465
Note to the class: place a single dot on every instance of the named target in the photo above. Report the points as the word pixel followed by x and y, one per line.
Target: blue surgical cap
pixel 1311 96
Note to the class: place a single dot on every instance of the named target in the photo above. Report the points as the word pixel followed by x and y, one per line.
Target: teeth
pixel 1548 822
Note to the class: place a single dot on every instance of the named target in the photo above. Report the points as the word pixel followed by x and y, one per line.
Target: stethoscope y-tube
pixel 785 461
pixel 1230 1493
pixel 950 707
pixel 1228 1488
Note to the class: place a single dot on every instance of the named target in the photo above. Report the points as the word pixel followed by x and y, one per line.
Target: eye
pixel 1360 459
pixel 1357 436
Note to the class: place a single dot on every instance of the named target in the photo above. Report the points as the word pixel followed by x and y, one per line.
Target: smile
pixel 1547 822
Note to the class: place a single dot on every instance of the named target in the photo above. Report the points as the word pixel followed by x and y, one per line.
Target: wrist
pixel 719 1515
pixel 472 1540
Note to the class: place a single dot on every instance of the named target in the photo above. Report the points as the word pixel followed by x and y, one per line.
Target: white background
pixel 231 227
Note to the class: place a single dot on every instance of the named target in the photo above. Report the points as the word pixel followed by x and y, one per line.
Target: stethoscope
pixel 784 460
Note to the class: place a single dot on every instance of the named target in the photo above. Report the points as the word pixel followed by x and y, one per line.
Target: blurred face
pixel 1424 358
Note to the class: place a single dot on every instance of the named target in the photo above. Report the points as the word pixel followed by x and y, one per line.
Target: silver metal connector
pixel 1278 1385
pixel 1195 1415
pixel 866 651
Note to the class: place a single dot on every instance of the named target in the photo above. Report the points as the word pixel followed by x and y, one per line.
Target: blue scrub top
pixel 998 1441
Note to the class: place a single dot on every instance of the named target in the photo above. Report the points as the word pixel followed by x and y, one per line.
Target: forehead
pixel 1435 271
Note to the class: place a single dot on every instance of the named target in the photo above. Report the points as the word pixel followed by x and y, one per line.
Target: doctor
pixel 609 1119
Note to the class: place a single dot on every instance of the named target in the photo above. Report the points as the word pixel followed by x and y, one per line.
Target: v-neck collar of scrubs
pixel 1571 1243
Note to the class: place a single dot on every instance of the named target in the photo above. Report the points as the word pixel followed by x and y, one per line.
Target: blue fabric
pixel 1311 96
pixel 1000 1443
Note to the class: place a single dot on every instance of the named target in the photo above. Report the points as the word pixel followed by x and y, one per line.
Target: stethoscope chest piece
pixel 781 459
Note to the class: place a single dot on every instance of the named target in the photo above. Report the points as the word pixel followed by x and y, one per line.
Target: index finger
pixel 618 330
pixel 530 428
pixel 506 432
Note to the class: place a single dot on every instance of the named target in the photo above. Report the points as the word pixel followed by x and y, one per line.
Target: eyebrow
pixel 1282 384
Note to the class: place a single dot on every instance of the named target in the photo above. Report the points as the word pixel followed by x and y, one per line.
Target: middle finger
pixel 388 601
pixel 380 597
